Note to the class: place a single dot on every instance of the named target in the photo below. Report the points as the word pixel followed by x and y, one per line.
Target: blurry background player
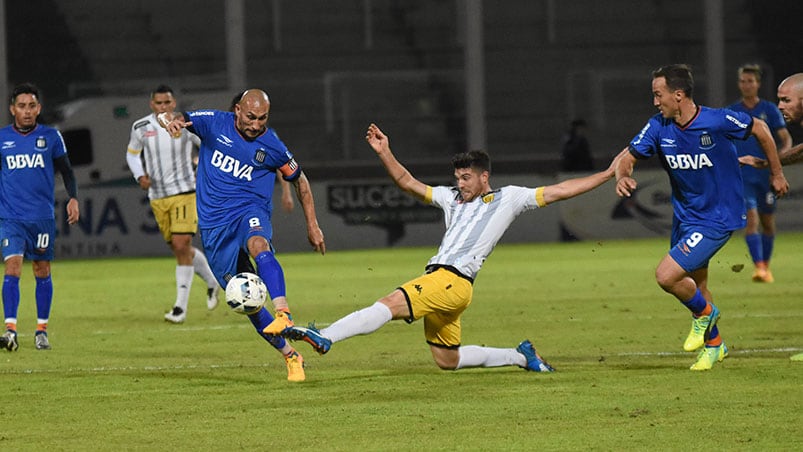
pixel 758 195
pixel 695 143
pixel 238 162
pixel 30 154
pixel 576 153
pixel 169 177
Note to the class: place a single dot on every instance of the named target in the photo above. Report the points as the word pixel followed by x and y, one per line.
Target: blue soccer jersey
pixel 701 161
pixel 233 172
pixel 26 178
pixel 769 113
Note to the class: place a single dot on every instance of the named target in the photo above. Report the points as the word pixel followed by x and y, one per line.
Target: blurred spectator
pixel 576 151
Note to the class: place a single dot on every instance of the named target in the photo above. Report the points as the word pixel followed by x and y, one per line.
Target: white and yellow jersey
pixel 473 228
pixel 168 160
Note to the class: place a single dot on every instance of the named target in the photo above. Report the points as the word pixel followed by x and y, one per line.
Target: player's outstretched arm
pixel 304 195
pixel 777 180
pixel 401 177
pixel 791 155
pixel 577 186
pixel 623 166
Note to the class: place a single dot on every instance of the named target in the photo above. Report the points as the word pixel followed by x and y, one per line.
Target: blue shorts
pixel 31 239
pixel 693 246
pixel 757 191
pixel 222 244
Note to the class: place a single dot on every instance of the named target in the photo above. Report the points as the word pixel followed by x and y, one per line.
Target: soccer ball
pixel 246 293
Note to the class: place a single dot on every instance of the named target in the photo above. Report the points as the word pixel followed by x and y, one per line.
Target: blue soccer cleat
pixel 534 361
pixel 310 335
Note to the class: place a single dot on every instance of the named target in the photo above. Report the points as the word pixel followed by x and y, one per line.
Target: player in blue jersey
pixel 790 103
pixel 758 196
pixel 695 146
pixel 29 155
pixel 238 161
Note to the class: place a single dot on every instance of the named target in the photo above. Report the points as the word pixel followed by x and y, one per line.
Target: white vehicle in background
pixel 96 131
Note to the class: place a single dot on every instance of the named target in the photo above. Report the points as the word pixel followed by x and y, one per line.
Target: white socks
pixel 364 321
pixel 184 275
pixel 201 267
pixel 476 356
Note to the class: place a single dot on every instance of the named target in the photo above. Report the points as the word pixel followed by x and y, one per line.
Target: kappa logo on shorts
pixel 418 288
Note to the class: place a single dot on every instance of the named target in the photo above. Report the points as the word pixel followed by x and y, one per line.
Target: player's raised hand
pixel 173 123
pixel 378 140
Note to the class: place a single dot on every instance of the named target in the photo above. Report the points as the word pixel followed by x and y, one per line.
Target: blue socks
pixel 44 297
pixel 696 304
pixel 755 247
pixel 11 296
pixel 271 272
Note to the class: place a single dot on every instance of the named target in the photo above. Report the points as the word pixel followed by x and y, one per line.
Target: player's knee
pixel 443 365
pixel 446 359
pixel 665 281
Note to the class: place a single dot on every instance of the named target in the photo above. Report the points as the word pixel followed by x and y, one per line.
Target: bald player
pixel 238 161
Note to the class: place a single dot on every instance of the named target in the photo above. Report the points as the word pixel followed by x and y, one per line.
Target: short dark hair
pixel 751 69
pixel 162 89
pixel 678 77
pixel 24 88
pixel 236 100
pixel 473 159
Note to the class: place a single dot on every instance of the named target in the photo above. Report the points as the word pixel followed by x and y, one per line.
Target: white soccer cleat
pixel 211 297
pixel 177 315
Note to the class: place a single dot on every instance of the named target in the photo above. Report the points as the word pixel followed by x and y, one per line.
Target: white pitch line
pixel 92 370
pixel 132 368
pixel 184 328
pixel 747 351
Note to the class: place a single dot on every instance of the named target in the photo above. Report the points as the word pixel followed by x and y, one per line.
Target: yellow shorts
pixel 440 298
pixel 175 215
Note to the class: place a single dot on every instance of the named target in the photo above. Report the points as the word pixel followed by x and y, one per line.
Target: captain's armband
pixel 290 170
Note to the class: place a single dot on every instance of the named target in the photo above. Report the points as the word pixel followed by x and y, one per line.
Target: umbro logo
pixel 224 140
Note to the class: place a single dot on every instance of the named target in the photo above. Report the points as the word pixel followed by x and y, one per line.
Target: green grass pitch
pixel 120 378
